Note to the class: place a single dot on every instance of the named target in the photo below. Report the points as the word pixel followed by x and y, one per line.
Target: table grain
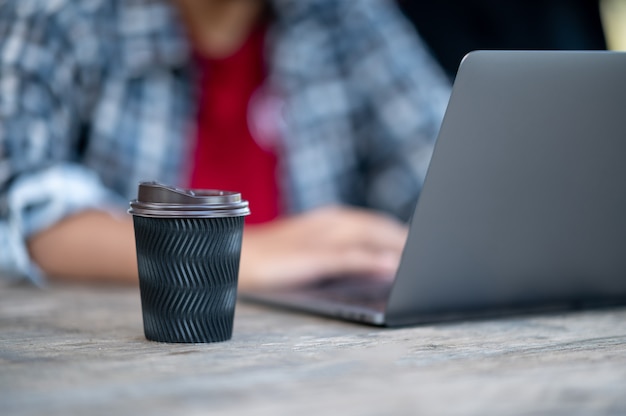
pixel 70 349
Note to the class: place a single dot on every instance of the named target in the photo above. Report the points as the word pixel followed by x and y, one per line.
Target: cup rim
pixel 158 200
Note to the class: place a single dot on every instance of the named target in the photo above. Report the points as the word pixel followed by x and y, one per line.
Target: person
pixel 322 113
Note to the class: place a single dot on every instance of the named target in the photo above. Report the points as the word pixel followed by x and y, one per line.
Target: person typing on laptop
pixel 323 114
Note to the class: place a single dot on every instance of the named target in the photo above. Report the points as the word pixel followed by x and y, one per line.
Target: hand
pixel 324 242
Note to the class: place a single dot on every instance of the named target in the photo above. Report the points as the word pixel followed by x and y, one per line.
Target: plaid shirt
pixel 97 95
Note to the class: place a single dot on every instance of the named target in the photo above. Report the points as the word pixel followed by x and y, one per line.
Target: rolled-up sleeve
pixel 38 200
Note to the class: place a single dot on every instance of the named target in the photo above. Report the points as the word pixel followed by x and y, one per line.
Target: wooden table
pixel 69 350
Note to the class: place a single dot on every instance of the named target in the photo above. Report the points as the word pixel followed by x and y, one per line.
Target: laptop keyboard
pixel 369 293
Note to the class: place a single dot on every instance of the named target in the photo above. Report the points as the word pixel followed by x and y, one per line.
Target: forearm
pixel 88 246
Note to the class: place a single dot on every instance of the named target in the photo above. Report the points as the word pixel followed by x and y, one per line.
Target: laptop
pixel 524 204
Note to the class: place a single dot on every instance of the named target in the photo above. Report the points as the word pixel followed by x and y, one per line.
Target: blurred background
pixel 613 14
pixel 452 28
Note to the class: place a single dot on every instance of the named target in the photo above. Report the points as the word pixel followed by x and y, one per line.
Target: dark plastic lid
pixel 161 201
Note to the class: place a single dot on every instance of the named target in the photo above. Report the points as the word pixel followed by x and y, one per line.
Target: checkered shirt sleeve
pixel 82 119
pixel 365 101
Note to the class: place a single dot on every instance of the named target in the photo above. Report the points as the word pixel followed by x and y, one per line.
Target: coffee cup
pixel 188 245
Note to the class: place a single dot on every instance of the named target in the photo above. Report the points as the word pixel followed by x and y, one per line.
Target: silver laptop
pixel 524 203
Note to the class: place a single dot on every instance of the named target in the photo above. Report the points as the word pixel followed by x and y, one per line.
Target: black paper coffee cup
pixel 188 249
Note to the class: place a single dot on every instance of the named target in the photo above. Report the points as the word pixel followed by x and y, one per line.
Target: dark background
pixel 453 28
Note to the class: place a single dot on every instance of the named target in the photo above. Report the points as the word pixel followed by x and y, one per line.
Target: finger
pixel 357 261
pixel 382 234
pixel 367 229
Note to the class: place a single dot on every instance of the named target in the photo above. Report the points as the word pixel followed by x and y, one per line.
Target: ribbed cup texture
pixel 188 270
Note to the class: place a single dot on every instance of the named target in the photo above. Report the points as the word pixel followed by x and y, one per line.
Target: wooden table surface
pixel 69 350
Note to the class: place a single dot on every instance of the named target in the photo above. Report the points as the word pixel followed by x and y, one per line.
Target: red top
pixel 227 156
